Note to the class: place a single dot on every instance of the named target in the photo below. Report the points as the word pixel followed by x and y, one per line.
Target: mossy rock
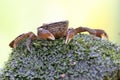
pixel 84 58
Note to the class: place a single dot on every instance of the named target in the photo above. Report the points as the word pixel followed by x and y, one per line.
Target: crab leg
pixel 13 44
pixel 42 33
pixel 101 33
pixel 96 32
pixel 71 32
pixel 70 35
pixel 31 37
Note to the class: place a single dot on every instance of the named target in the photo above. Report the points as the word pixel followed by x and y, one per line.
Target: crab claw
pixel 45 34
pixel 70 35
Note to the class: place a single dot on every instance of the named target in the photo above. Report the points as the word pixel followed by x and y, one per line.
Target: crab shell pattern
pixel 58 29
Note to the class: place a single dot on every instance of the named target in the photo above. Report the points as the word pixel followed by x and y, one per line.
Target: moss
pixel 84 58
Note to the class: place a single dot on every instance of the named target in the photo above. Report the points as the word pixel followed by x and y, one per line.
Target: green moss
pixel 84 58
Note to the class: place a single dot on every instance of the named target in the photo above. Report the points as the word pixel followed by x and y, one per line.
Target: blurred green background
pixel 20 16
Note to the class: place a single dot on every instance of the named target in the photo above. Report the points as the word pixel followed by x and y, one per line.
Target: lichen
pixel 84 58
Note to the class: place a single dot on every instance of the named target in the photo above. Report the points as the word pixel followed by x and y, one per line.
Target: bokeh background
pixel 20 16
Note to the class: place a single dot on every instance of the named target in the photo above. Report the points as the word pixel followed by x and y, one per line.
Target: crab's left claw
pixel 70 35
pixel 45 34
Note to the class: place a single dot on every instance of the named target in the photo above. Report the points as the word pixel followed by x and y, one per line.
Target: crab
pixel 53 31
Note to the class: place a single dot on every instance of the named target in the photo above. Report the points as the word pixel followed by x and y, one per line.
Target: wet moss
pixel 84 58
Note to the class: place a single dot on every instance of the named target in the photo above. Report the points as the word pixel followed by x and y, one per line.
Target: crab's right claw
pixel 70 35
pixel 45 34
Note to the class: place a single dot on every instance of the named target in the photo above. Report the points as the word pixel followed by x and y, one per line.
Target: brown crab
pixel 55 30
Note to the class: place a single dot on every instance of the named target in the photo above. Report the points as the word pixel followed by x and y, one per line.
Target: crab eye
pixel 40 29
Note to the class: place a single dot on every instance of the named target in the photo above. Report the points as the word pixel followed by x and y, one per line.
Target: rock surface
pixel 84 58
